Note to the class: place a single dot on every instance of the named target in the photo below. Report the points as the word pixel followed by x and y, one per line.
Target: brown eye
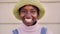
pixel 33 12
pixel 23 11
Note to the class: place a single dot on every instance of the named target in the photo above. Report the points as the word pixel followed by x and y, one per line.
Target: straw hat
pixel 25 2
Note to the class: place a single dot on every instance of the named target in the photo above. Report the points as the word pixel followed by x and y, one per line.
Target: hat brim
pixel 25 2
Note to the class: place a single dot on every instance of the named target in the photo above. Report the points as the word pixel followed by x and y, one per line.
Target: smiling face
pixel 29 15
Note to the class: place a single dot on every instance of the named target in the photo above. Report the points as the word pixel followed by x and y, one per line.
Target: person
pixel 29 12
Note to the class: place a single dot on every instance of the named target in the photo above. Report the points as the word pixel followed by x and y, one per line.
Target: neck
pixel 30 28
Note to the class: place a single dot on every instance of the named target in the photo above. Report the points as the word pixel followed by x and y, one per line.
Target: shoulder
pixel 43 30
pixel 49 31
pixel 15 31
pixel 46 30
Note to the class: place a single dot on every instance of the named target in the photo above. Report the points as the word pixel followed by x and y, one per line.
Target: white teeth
pixel 28 20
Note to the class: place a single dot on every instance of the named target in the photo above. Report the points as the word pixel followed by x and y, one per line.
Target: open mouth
pixel 28 20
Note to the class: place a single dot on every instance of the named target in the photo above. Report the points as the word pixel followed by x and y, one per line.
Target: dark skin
pixel 28 15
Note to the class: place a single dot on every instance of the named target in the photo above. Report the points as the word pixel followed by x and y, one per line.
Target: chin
pixel 28 23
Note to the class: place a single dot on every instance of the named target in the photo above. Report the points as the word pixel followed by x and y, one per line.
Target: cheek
pixel 35 16
pixel 21 15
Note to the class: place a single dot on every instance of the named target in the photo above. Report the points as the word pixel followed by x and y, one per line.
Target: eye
pixel 23 11
pixel 33 11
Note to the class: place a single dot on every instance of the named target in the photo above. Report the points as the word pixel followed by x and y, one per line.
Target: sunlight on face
pixel 28 15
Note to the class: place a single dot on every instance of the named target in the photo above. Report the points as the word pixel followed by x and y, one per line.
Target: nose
pixel 28 16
